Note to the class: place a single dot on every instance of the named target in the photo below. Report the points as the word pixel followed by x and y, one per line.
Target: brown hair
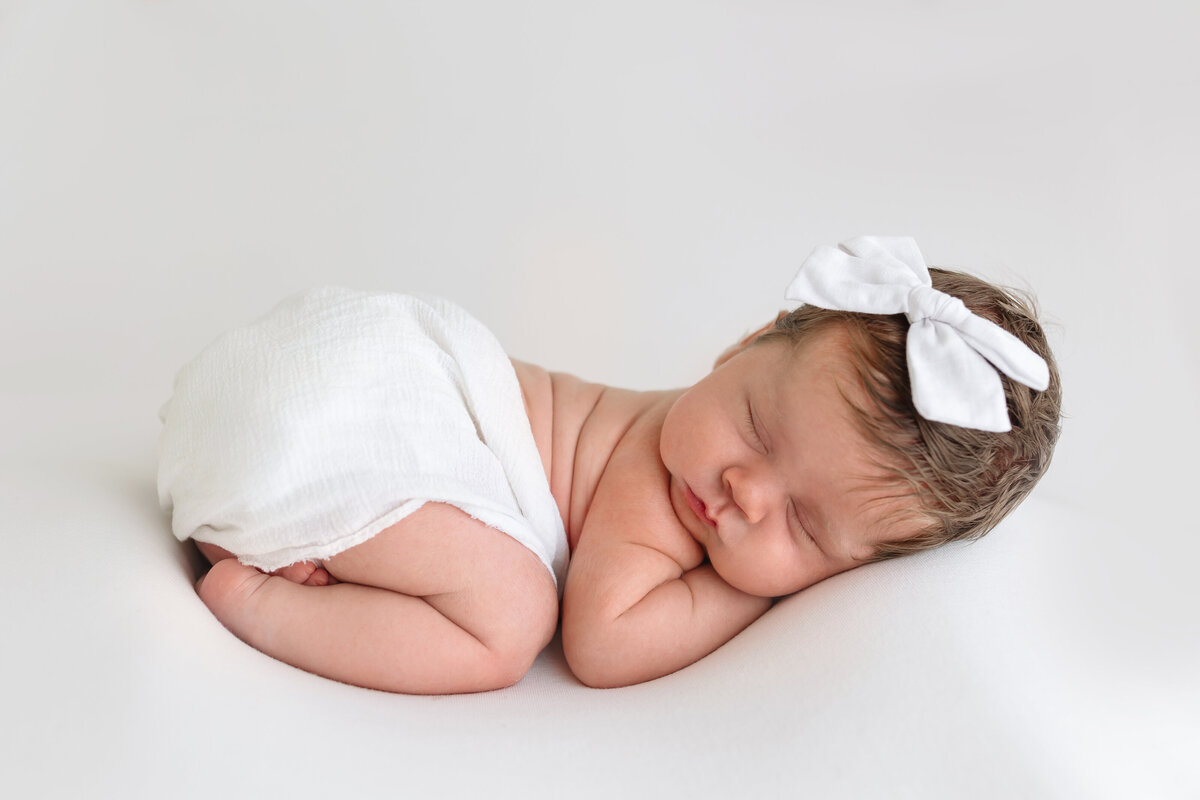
pixel 965 480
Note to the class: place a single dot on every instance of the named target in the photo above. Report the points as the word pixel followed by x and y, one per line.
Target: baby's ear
pixel 746 340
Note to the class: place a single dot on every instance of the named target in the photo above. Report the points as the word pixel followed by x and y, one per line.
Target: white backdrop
pixel 619 190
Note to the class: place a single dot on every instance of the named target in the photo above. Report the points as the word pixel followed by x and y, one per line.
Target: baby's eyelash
pixel 796 516
pixel 750 426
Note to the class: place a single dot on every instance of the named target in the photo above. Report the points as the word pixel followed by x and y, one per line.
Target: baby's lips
pixel 698 506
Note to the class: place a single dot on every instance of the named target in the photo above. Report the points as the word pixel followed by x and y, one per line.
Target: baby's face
pixel 768 469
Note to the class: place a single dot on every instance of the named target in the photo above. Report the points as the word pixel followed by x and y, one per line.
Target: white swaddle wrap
pixel 338 414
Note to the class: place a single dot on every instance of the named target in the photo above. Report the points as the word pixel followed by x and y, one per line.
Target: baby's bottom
pixel 437 603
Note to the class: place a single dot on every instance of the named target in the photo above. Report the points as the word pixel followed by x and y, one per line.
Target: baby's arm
pixel 632 613
pixel 640 602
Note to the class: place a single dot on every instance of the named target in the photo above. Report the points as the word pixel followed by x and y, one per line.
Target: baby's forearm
pixel 676 623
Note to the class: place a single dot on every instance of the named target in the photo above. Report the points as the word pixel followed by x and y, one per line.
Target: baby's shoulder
pixel 631 501
pixel 576 426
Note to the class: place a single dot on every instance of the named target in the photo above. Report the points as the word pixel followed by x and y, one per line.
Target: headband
pixel 953 354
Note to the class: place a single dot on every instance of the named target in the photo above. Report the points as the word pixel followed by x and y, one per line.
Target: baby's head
pixel 964 479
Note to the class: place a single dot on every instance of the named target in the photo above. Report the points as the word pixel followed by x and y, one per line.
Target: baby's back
pixel 578 425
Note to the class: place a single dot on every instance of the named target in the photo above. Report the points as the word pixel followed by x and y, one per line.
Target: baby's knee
pixel 520 630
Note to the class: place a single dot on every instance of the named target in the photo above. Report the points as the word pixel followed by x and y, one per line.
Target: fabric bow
pixel 953 354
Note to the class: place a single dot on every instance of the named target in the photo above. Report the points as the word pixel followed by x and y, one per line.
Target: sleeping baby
pixel 390 501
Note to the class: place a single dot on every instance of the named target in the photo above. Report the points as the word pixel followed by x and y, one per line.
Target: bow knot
pixel 926 303
pixel 954 355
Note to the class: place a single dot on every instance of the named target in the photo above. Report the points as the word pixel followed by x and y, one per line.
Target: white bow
pixel 949 347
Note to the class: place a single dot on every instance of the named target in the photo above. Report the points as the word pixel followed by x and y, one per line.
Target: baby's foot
pixel 307 573
pixel 227 590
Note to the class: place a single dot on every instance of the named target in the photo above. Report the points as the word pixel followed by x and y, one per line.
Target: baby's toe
pixel 306 573
pixel 296 573
pixel 320 577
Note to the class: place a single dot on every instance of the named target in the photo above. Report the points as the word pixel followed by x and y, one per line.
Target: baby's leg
pixel 437 603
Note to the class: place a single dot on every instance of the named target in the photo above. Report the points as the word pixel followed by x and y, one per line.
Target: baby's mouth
pixel 698 506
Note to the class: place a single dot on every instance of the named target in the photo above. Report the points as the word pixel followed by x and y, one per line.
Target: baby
pixel 899 408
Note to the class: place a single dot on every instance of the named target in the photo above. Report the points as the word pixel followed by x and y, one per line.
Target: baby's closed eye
pixel 752 429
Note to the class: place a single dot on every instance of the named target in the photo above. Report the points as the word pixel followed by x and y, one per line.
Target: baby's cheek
pixel 739 575
pixel 671 444
pixel 773 577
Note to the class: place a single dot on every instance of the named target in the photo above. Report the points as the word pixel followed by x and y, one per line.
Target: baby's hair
pixel 965 480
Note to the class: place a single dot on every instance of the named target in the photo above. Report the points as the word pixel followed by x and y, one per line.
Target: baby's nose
pixel 749 494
